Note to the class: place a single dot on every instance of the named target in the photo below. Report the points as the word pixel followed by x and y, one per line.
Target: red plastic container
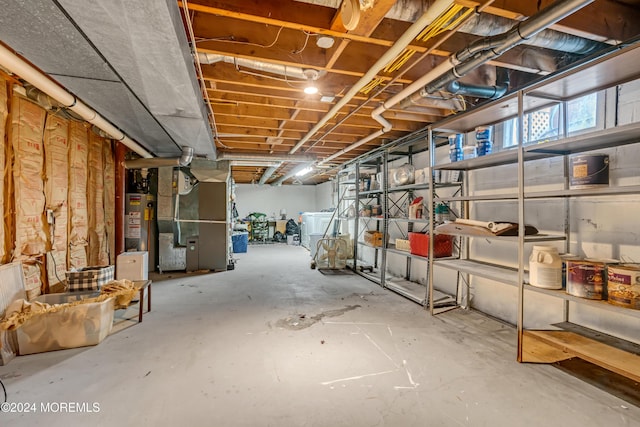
pixel 442 246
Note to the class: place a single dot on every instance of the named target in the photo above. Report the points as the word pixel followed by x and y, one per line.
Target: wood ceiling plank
pixel 286 23
pixel 601 20
pixel 369 21
pixel 268 12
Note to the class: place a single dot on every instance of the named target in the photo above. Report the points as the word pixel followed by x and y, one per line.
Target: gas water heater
pixel 140 232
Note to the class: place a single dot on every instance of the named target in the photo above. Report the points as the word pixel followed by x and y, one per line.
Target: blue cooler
pixel 240 241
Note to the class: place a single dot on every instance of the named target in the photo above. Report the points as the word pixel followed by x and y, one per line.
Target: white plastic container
pixel 132 266
pixel 545 267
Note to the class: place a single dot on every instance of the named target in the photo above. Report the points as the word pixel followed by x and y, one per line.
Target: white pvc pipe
pixel 18 66
pixel 434 73
pixel 433 12
pixel 448 65
pixel 354 146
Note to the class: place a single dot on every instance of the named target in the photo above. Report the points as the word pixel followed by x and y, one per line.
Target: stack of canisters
pixel 484 142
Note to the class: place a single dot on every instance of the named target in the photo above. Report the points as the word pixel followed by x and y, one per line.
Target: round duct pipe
pixel 225 155
pixel 158 162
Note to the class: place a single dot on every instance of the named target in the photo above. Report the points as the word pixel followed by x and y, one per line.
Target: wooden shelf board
pixel 606 356
pixel 537 351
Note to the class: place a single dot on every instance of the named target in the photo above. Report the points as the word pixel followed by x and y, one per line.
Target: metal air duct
pixel 267 67
pixel 158 162
pixel 291 174
pixel 445 72
pixel 491 25
pixel 489 92
pixel 267 174
pixel 224 155
pixel 483 50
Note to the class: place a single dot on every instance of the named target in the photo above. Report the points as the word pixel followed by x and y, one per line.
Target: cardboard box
pixel 71 327
pixel 90 278
pixel 373 237
pixel 442 245
pixel 132 266
pixel 403 245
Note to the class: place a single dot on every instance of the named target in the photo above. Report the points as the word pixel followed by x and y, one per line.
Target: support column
pixel 121 177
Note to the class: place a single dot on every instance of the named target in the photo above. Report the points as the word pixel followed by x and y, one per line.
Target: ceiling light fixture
pixel 327 98
pixel 312 76
pixel 325 42
pixel 304 171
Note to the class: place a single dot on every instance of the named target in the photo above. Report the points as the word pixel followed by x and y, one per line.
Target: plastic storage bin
pixel 240 241
pixel 74 326
pixel 442 246
pixel 132 266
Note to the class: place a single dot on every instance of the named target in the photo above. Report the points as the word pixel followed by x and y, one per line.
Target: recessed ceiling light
pixel 325 42
pixel 327 98
pixel 310 90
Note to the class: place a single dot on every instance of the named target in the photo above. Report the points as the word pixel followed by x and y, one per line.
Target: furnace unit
pixel 140 225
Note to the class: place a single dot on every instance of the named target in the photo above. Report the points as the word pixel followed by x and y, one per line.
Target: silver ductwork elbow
pixel 187 156
pixel 159 162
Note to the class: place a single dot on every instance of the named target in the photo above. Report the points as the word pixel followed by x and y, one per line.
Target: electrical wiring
pixel 296 52
pixel 231 39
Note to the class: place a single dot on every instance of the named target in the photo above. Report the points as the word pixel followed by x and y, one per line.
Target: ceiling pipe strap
pixel 75 101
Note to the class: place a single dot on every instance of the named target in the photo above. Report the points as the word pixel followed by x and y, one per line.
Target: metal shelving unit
pixel 349 211
pixel 592 75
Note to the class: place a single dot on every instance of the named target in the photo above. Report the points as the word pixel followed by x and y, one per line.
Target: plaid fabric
pixel 90 278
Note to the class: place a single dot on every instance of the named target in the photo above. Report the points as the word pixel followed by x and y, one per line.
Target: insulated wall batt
pixel 110 200
pixel 97 237
pixel 27 133
pixel 56 189
pixel 27 128
pixel 78 176
pixel 4 112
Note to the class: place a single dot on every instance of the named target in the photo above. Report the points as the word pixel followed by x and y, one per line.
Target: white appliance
pixel 314 223
pixel 132 265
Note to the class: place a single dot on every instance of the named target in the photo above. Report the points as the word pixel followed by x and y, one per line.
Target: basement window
pixel 583 114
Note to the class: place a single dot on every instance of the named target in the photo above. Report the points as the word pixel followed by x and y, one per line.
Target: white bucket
pixel 545 267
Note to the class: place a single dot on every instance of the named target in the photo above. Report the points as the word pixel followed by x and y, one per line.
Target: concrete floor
pixel 274 343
